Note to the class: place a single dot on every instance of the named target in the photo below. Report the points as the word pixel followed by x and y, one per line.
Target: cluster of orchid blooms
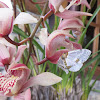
pixel 16 80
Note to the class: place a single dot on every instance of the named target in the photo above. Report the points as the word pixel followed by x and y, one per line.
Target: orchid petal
pixel 6 20
pixel 7 3
pixel 70 14
pixel 12 52
pixel 1 64
pixel 25 18
pixel 75 45
pixel 83 2
pixel 20 52
pixel 54 59
pixel 70 23
pixel 43 79
pixel 23 96
pixel 43 36
pixel 4 55
pixel 2 4
pixel 6 43
pixel 46 79
pixel 55 4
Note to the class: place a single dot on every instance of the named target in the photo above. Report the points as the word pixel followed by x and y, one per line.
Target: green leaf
pixel 92 41
pixel 92 72
pixel 91 19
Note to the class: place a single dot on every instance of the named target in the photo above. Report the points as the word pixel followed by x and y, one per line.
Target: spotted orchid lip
pixel 7 83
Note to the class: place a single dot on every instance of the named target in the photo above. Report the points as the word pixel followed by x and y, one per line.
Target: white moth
pixel 73 60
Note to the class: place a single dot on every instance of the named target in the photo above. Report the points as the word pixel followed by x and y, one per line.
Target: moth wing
pixel 76 67
pixel 70 62
pixel 62 65
pixel 73 54
pixel 84 55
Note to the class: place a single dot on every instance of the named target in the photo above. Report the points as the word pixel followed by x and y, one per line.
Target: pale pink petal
pixel 8 3
pixel 4 55
pixel 44 79
pixel 71 14
pixel 24 95
pixel 12 52
pixel 83 2
pixel 25 18
pixel 55 4
pixel 1 64
pixel 75 45
pixel 6 43
pixel 43 34
pixel 20 52
pixel 70 23
pixel 54 59
pixel 2 4
pixel 6 20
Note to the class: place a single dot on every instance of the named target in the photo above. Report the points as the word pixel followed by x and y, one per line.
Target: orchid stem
pixel 40 20
pixel 14 6
pixel 15 43
pixel 34 31
pixel 38 63
pixel 47 15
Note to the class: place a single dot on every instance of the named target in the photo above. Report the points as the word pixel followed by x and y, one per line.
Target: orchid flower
pixel 16 80
pixel 54 41
pixel 58 7
pixel 7 22
pixel 8 53
pixel 55 5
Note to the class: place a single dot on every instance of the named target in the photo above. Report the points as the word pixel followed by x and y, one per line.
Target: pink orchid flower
pixel 8 53
pixel 16 80
pixel 7 22
pixel 56 4
pixel 56 7
pixel 54 41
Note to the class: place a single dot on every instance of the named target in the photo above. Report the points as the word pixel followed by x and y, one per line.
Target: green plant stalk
pixel 65 78
pixel 87 64
pixel 82 80
pixel 92 72
pixel 94 53
pixel 96 90
pixel 38 58
pixel 84 32
pixel 98 77
pixel 87 90
pixel 56 22
pixel 91 41
pixel 38 7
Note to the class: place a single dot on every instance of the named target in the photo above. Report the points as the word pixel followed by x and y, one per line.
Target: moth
pixel 73 60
